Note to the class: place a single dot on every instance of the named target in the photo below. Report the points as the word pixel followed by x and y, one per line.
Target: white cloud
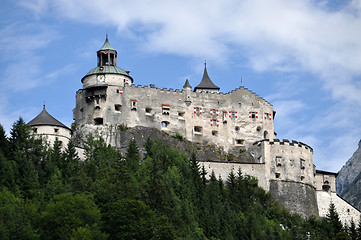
pixel 280 35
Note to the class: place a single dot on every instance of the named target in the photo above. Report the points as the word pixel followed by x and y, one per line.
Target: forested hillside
pixel 46 193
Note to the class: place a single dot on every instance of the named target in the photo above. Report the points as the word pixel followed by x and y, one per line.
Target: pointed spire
pixel 187 85
pixel 206 82
pixel 106 45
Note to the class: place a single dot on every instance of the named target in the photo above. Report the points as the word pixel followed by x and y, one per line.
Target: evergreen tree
pixel 132 156
pixel 352 231
pixel 70 165
pixel 4 142
pixel 333 220
pixel 359 229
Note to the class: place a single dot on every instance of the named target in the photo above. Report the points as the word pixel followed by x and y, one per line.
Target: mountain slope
pixel 348 181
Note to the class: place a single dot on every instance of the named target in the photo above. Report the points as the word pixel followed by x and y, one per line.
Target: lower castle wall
pixel 224 169
pixel 296 197
pixel 346 211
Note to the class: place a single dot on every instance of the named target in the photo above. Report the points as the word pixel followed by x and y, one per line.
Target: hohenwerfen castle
pixel 236 121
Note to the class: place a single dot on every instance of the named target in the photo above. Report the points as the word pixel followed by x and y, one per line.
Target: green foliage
pixel 65 213
pixel 133 219
pixel 16 217
pixel 178 136
pixel 123 127
pixel 49 193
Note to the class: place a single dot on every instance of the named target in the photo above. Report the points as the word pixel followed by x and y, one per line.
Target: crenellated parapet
pixel 286 160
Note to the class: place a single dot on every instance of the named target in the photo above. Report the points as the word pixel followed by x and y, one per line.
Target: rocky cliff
pixel 348 181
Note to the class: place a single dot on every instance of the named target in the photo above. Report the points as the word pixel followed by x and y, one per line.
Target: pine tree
pixel 359 229
pixel 132 156
pixel 333 219
pixel 352 231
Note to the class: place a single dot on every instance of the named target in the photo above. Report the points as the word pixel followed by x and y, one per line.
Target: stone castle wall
pixel 346 211
pixel 235 119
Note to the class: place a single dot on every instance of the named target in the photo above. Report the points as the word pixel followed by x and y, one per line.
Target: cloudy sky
pixel 304 57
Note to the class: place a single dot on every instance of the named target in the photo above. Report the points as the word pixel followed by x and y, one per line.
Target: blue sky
pixel 304 57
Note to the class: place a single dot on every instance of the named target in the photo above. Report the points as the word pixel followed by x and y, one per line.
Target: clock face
pixel 101 78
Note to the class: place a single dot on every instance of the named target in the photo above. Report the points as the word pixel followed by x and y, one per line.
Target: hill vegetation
pixel 46 193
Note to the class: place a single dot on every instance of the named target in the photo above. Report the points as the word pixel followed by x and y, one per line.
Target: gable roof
pixel 206 82
pixel 44 118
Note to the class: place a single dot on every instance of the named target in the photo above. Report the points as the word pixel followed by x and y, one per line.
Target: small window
pixel 302 163
pixel 35 130
pixel 56 130
pixel 236 128
pixel 240 104
pixel 278 161
pixel 302 178
pixel 198 129
pixel 214 133
pixel 198 112
pixel 233 115
pixel 265 134
pixel 258 129
pixel 214 122
pixel 148 111
pixel 165 109
pixel 181 114
pixel 133 104
pixel 117 107
pixel 97 108
pixel 165 124
pixel 253 115
pixel 98 121
pixel 326 179
pixel 278 175
pixel 224 115
pixel 240 142
pixel 97 100
pixel 60 143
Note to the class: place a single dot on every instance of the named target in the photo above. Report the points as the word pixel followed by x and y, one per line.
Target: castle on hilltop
pixel 237 121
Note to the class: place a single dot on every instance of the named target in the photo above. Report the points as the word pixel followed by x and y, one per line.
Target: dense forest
pixel 47 193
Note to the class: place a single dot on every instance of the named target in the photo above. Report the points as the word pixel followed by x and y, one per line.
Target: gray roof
pixel 106 45
pixel 206 82
pixel 108 69
pixel 187 84
pixel 44 118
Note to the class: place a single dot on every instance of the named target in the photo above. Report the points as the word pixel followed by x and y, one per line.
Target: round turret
pixel 47 126
pixel 107 72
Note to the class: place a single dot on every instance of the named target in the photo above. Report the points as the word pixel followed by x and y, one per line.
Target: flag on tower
pixel 241 80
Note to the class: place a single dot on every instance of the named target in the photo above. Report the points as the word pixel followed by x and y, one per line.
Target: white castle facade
pixel 237 121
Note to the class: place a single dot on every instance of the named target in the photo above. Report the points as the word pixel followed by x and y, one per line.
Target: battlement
pixel 285 142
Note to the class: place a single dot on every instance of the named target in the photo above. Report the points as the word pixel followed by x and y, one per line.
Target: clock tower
pixel 101 88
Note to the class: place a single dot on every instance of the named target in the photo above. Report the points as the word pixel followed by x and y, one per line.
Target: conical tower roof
pixel 44 118
pixel 206 82
pixel 106 45
pixel 186 84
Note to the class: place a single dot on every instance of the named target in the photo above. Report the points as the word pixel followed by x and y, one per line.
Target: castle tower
pixel 105 81
pixel 206 84
pixel 47 126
